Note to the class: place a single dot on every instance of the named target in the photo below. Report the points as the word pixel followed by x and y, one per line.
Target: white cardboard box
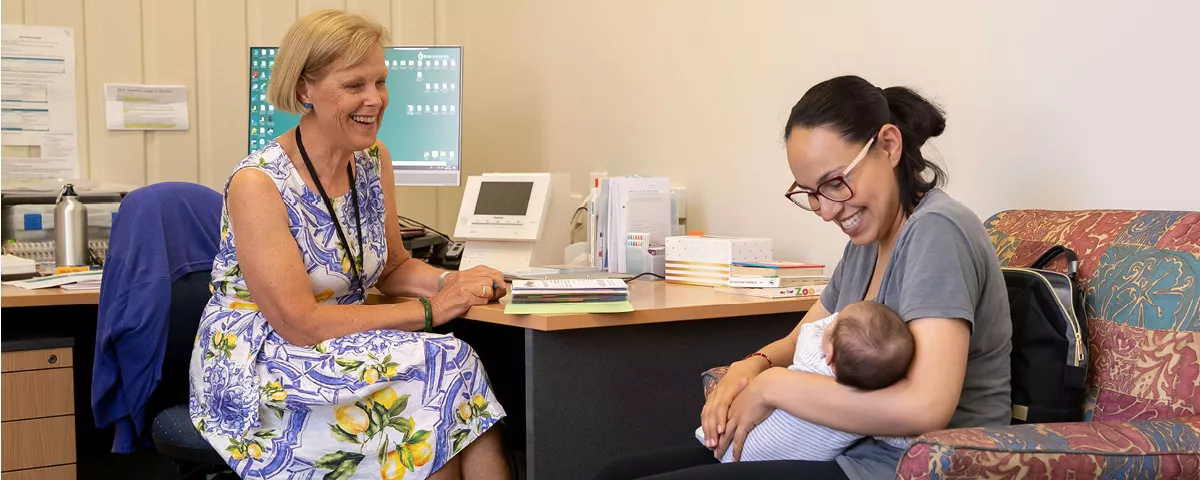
pixel 706 260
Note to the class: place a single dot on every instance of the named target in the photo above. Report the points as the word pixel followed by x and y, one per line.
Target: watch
pixel 442 280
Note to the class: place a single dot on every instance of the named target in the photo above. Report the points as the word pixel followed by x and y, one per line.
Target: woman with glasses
pixel 855 154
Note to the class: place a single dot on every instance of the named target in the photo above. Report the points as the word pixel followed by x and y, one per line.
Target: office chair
pixel 156 277
pixel 172 431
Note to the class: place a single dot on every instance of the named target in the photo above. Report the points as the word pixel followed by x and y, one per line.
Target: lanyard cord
pixel 333 214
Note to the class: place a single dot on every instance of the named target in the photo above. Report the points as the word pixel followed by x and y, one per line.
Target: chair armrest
pixel 1168 448
pixel 710 378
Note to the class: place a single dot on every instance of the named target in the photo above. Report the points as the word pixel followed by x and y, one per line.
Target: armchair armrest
pixel 1168 448
pixel 710 378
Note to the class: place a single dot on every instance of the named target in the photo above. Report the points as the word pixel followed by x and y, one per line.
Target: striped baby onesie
pixel 784 437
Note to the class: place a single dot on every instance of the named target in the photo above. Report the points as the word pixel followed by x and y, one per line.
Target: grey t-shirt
pixel 944 266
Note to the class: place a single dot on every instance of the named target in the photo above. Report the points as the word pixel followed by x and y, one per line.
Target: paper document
pixel 603 224
pixel 570 284
pixel 14 265
pixel 636 204
pixel 556 308
pixel 37 96
pixel 145 107
pixel 84 286
pixel 57 280
pixel 24 167
pixel 59 160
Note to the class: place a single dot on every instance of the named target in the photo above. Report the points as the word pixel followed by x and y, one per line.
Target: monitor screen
pixel 421 127
pixel 503 198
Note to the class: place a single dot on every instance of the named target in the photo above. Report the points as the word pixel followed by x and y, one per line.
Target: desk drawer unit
pixel 61 472
pixel 37 414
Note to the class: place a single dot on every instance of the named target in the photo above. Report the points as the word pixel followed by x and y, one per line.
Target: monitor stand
pixel 506 257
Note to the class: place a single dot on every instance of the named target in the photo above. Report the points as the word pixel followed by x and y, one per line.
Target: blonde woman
pixel 292 375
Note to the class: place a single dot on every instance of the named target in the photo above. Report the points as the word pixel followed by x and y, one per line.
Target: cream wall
pixel 203 44
pixel 1050 104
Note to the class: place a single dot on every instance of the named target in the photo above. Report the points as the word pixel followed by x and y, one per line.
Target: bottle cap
pixel 68 190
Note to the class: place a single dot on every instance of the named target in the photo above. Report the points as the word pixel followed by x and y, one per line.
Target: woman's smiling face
pixel 818 154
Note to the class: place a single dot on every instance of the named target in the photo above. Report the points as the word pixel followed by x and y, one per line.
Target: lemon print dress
pixel 376 404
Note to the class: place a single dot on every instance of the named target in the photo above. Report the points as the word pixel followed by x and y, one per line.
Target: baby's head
pixel 868 346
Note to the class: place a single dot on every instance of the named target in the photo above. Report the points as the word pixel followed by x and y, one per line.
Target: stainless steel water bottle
pixel 70 229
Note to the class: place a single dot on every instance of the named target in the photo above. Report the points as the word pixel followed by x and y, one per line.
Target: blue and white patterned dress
pixel 375 404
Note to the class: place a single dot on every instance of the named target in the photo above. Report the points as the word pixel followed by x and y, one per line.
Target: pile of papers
pixel 569 296
pixel 625 205
pixel 14 266
pixel 67 281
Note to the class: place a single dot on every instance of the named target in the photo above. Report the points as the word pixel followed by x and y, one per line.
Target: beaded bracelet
pixel 770 364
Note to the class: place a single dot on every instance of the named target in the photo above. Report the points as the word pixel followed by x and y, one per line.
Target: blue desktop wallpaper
pixel 421 126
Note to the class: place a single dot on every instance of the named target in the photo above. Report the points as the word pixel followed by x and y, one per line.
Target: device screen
pixel 422 126
pixel 503 198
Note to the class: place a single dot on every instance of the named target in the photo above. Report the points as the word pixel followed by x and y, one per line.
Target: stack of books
pixel 776 279
pixel 74 281
pixel 605 295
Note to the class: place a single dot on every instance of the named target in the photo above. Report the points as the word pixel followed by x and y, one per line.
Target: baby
pixel 865 346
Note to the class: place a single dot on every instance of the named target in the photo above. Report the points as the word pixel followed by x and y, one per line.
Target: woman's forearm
pixel 323 322
pixel 412 278
pixel 780 351
pixel 889 412
pixel 924 401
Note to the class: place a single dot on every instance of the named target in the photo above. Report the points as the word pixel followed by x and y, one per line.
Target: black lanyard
pixel 333 214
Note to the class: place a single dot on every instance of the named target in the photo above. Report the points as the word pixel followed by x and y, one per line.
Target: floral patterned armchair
pixel 1140 270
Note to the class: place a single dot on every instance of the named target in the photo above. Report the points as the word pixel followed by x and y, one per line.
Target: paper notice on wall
pixel 23 167
pixel 59 145
pixel 59 155
pixel 145 107
pixel 37 99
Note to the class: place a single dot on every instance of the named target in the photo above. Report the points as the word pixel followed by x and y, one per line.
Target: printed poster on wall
pixel 37 99
pixel 145 107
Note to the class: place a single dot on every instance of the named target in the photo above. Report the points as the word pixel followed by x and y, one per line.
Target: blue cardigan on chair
pixel 161 233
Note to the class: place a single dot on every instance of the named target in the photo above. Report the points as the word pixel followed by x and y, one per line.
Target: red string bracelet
pixel 770 364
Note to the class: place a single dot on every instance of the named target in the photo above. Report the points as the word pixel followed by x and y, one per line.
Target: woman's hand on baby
pixel 747 411
pixel 716 408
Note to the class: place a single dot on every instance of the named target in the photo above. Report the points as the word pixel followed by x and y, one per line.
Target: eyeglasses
pixel 836 189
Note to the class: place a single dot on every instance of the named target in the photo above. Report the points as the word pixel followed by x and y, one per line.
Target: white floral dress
pixel 375 404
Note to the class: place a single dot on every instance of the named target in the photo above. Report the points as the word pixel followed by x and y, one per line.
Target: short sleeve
pixel 938 276
pixel 829 296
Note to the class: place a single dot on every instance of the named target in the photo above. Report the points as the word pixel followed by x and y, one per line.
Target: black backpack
pixel 1049 344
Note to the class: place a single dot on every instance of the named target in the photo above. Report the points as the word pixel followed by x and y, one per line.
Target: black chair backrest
pixel 189 295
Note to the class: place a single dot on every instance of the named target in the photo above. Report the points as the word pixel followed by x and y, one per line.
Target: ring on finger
pixel 485 292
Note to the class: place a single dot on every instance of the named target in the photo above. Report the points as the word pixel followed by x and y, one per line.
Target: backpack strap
pixel 1054 252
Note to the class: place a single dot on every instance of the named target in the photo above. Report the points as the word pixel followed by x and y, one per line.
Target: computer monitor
pixel 421 127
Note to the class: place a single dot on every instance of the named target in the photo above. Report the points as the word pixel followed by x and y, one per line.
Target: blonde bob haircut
pixel 313 45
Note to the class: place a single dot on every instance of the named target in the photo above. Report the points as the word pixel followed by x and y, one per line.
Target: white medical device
pixel 514 222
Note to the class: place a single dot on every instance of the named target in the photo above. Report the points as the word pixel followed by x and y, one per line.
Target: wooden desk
pixel 11 296
pixel 653 302
pixel 577 395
